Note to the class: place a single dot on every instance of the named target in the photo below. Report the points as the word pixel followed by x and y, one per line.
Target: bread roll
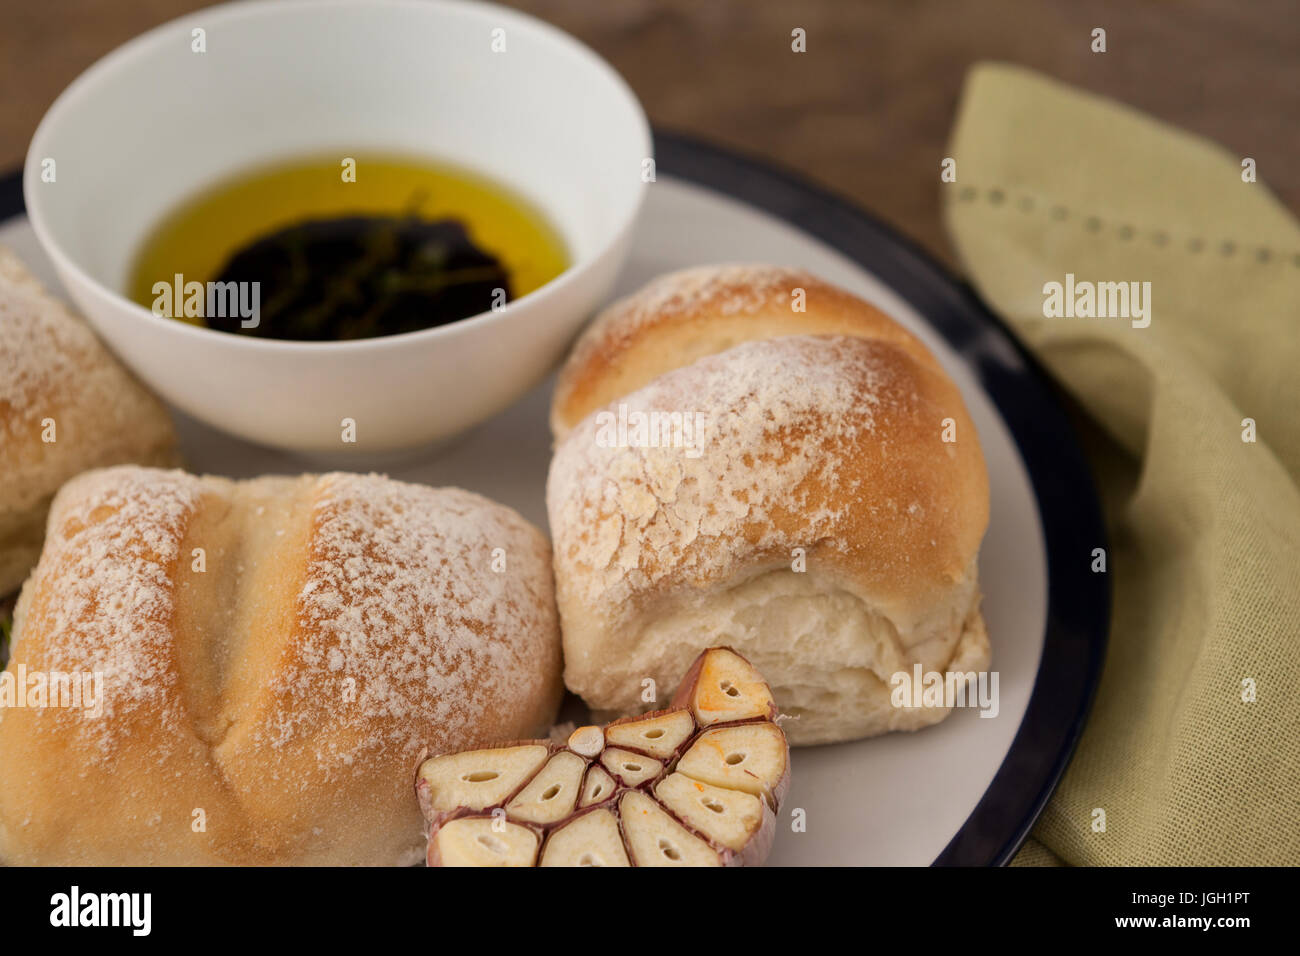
pixel 271 707
pixel 821 526
pixel 56 379
pixel 686 315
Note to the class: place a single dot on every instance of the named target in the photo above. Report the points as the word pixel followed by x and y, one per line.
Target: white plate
pixel 891 800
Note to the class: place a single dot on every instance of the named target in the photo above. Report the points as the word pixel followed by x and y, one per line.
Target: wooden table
pixel 866 110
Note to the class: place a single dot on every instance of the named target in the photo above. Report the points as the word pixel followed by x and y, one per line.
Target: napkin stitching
pixel 1059 213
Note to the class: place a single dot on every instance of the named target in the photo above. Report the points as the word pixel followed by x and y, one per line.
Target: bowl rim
pixel 134 48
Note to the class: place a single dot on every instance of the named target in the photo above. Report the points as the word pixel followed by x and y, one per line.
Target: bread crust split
pixel 268 708
pixel 823 527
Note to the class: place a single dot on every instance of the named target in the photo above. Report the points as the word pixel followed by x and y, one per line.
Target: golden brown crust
pixel 683 316
pixel 278 698
pixel 57 380
pixel 826 525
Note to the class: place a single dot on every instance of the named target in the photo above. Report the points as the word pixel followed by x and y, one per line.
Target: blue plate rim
pixel 1078 603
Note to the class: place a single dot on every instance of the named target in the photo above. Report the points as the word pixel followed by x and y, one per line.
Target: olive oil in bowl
pixel 337 249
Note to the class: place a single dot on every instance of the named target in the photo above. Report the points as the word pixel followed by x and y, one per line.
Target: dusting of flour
pixel 400 597
pixel 629 520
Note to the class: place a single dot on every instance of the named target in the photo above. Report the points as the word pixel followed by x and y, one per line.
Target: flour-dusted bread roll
pixel 57 381
pixel 813 516
pixel 686 315
pixel 271 707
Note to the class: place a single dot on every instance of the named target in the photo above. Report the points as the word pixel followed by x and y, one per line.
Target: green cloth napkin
pixel 1204 527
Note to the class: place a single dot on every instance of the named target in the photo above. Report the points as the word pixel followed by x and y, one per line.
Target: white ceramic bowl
pixel 154 122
